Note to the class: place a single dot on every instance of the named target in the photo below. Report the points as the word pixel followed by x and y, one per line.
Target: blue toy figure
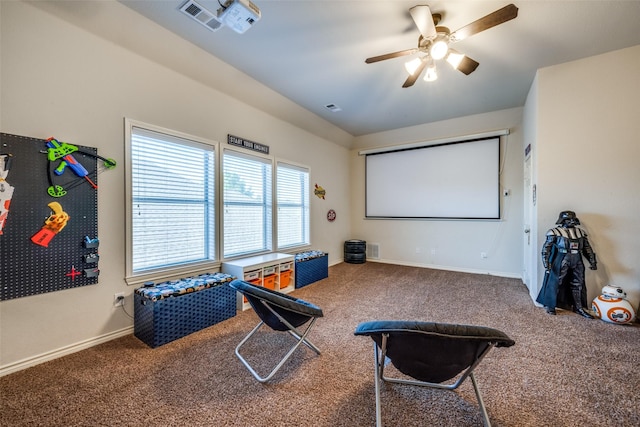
pixel 562 253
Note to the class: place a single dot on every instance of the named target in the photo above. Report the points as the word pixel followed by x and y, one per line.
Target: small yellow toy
pixel 319 192
pixel 52 225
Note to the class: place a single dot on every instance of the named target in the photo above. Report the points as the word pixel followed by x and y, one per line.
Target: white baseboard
pixel 449 268
pixel 63 351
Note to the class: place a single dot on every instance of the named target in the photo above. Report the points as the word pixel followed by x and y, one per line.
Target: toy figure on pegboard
pixel 6 190
pixel 562 252
pixel 52 225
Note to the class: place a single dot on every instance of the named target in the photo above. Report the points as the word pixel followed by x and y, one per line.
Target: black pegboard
pixel 25 267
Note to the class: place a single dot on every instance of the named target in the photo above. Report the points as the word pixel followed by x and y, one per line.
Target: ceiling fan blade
pixel 468 65
pixel 424 21
pixel 390 55
pixel 498 17
pixel 461 62
pixel 413 77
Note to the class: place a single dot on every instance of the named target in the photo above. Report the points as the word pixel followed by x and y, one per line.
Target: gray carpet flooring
pixel 564 370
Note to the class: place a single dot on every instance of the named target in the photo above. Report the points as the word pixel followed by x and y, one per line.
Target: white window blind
pixel 173 201
pixel 247 200
pixel 292 190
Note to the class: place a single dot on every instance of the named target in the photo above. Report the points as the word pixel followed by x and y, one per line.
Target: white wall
pixel 60 80
pixel 449 244
pixel 587 149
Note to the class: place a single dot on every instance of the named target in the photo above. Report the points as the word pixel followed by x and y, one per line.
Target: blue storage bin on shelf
pixel 174 309
pixel 310 267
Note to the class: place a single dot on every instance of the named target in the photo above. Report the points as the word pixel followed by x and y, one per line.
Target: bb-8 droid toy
pixel 613 307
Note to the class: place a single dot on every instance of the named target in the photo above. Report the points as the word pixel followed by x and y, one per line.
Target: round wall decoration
pixel 331 215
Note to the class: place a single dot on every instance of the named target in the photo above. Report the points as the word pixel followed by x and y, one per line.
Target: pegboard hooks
pixel 90 243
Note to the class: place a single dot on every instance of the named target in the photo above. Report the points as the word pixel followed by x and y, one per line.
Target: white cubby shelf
pixel 274 271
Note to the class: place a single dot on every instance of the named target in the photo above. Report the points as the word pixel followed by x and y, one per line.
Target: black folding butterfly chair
pixel 280 312
pixel 431 354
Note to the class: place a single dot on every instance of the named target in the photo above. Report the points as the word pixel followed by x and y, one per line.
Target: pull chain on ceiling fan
pixel 434 41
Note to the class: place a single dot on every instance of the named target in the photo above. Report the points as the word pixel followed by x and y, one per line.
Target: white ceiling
pixel 313 52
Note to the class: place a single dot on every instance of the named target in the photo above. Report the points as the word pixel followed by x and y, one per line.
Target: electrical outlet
pixel 483 255
pixel 118 299
pixel 418 249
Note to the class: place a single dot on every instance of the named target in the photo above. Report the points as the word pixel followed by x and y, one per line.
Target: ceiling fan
pixel 433 42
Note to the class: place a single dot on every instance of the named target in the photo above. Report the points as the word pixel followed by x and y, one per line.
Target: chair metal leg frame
pixel 379 358
pixel 300 337
pixel 483 409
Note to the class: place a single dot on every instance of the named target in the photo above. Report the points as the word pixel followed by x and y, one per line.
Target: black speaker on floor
pixel 355 251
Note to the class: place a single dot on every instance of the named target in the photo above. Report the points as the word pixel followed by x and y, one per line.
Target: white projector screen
pixel 458 180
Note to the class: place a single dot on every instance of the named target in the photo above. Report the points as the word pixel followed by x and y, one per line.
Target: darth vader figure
pixel 562 253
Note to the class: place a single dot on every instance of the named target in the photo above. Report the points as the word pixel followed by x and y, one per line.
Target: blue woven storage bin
pixel 311 270
pixel 165 320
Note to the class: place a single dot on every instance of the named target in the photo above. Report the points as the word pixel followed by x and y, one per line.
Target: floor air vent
pixel 373 250
pixel 201 15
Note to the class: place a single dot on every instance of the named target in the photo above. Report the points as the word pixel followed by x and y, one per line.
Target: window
pixel 190 205
pixel 171 205
pixel 247 198
pixel 292 189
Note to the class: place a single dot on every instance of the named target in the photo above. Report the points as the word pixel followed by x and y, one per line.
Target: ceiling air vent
pixel 333 107
pixel 201 15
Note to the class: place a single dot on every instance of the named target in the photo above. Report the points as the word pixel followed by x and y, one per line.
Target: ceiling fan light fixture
pixel 433 42
pixel 430 73
pixel 412 66
pixel 439 48
pixel 455 58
